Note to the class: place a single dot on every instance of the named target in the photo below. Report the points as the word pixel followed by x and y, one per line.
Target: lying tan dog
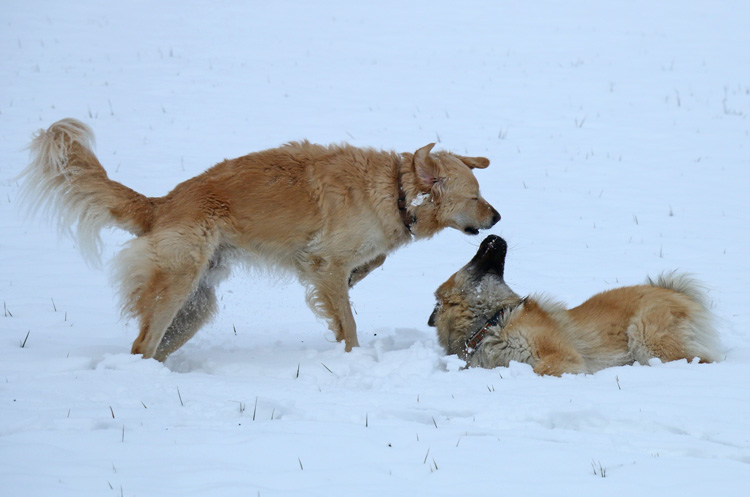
pixel 328 214
pixel 486 323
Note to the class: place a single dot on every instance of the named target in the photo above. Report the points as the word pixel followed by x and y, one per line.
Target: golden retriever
pixel 479 318
pixel 329 214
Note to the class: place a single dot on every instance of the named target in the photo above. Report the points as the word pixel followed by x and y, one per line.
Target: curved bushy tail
pixel 700 333
pixel 66 181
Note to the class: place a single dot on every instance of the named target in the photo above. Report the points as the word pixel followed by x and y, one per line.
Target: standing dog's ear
pixel 474 162
pixel 425 168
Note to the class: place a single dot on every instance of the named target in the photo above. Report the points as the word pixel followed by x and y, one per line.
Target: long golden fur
pixel 329 214
pixel 486 323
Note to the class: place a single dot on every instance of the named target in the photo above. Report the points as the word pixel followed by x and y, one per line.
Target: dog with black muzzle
pixel 479 318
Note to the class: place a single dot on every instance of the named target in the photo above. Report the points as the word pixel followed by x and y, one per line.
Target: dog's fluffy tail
pixel 700 333
pixel 66 181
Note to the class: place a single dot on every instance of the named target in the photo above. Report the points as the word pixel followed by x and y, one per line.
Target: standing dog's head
pixel 472 295
pixel 444 193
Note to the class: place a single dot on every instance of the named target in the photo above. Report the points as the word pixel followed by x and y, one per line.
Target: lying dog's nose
pixel 431 321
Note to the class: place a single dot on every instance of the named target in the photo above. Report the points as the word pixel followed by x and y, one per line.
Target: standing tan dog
pixel 486 323
pixel 329 214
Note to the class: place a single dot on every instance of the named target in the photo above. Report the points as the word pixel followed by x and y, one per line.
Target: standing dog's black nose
pixel 495 217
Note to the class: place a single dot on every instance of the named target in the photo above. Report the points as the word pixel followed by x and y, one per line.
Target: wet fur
pixel 665 318
pixel 328 214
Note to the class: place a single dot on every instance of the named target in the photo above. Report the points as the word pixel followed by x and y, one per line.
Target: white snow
pixel 419 199
pixel 618 133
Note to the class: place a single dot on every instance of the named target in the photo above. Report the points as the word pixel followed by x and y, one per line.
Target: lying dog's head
pixel 445 193
pixel 472 295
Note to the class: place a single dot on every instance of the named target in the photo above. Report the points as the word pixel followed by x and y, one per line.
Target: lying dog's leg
pixel 666 335
pixel 358 273
pixel 556 358
pixel 194 313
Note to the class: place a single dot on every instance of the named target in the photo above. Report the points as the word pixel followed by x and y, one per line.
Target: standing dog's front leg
pixel 359 272
pixel 328 297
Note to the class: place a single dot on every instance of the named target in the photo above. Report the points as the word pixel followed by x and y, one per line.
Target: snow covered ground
pixel 620 145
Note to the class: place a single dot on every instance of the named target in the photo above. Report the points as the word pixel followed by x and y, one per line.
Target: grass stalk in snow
pixel 242 405
pixel 599 469
pixel 329 370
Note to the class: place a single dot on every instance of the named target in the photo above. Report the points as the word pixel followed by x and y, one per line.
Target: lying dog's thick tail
pixel 66 181
pixel 700 332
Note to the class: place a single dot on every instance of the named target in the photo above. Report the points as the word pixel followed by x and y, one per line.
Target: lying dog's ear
pixel 426 169
pixel 474 162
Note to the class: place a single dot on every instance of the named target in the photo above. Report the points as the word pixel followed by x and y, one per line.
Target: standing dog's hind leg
pixel 158 303
pixel 194 313
pixel 159 273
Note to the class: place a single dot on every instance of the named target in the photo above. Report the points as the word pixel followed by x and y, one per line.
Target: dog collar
pixel 475 339
pixel 406 218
